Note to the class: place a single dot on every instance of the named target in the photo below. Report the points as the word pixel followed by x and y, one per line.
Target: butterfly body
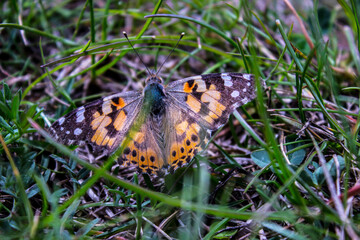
pixel 155 97
pixel 167 125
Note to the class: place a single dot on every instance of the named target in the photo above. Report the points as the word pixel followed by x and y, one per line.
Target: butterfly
pixel 174 122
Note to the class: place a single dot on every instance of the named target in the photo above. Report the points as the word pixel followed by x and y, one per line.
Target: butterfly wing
pixel 144 149
pixel 184 137
pixel 199 105
pixel 211 98
pixel 103 123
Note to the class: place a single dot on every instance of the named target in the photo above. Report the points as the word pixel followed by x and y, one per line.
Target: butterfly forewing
pixel 102 124
pixel 211 98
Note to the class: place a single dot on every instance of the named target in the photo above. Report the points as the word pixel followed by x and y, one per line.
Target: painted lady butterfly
pixel 175 120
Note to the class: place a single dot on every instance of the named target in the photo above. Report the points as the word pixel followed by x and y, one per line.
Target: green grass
pixel 275 170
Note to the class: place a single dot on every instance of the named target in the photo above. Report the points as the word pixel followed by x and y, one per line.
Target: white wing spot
pixel 247 76
pixel 106 107
pixel 228 83
pixel 244 90
pixel 235 94
pixel 77 131
pixel 225 76
pixel 248 83
pixel 245 100
pixel 61 120
pixel 61 129
pixel 67 132
pixel 227 79
pixel 80 115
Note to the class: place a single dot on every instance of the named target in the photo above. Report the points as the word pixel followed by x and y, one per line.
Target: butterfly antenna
pixel 181 36
pixel 147 69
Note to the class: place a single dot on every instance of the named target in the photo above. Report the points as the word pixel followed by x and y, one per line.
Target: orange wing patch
pixel 216 108
pixel 101 132
pixel 193 103
pixel 101 121
pixel 194 85
pixel 210 97
pixel 120 120
pixel 199 95
pixel 142 152
pixel 188 144
pixel 121 103
pixel 181 127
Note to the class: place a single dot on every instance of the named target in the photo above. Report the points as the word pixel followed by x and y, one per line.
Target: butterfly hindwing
pixel 144 149
pixel 211 98
pixel 184 138
pixel 102 123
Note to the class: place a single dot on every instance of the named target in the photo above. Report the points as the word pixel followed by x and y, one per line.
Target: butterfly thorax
pixel 154 98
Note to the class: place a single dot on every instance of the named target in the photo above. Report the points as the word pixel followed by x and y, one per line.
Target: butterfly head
pixel 153 78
